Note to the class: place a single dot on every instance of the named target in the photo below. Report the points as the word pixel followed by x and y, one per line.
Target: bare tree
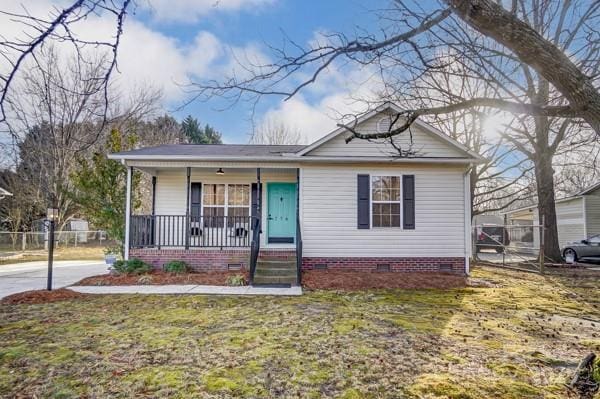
pixel 490 44
pixel 19 210
pixel 273 131
pixel 60 26
pixel 425 33
pixel 57 117
pixel 503 179
pixel 507 27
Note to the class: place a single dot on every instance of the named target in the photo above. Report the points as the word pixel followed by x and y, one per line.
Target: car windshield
pixel 594 239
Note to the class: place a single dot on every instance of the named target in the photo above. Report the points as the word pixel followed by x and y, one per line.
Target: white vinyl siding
pixel 592 211
pixel 569 220
pixel 329 214
pixel 425 144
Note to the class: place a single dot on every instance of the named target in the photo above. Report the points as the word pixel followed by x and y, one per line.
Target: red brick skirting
pixel 202 259
pixel 453 265
pixel 215 259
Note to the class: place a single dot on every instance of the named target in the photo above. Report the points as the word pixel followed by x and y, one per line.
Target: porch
pixel 218 218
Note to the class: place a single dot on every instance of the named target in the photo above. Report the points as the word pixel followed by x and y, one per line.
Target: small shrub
pixel 176 266
pixel 236 281
pixel 118 266
pixel 132 266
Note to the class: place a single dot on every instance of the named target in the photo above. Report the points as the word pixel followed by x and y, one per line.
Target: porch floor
pixel 187 289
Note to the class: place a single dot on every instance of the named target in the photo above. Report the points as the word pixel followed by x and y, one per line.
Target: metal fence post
pixel 75 241
pixel 542 228
pixel 24 244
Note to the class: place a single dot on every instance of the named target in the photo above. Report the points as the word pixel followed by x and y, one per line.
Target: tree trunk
pixel 491 19
pixel 544 175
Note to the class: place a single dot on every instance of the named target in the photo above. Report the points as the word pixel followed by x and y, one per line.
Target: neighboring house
pixel 577 217
pixel 355 206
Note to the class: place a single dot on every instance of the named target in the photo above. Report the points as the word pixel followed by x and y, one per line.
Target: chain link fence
pixel 38 241
pixel 513 246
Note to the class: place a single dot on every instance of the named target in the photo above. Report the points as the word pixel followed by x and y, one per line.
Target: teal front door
pixel 281 212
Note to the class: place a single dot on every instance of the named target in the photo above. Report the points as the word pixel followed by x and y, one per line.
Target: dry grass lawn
pixel 67 253
pixel 521 338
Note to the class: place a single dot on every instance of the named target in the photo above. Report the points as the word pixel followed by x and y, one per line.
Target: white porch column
pixel 127 212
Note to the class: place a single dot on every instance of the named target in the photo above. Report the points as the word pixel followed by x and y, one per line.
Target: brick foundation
pixel 202 259
pixel 214 259
pixel 452 265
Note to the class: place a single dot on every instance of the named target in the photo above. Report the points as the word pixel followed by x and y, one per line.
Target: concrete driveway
pixel 19 277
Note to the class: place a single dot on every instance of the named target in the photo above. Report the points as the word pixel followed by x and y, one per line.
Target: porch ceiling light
pixel 220 172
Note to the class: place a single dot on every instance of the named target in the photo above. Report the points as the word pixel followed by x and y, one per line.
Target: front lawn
pixel 519 339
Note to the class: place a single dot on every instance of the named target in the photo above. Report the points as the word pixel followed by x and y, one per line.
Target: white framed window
pixel 220 200
pixel 386 201
pixel 238 203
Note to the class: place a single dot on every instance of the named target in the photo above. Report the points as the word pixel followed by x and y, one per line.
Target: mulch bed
pixel 42 296
pixel 311 279
pixel 349 280
pixel 162 278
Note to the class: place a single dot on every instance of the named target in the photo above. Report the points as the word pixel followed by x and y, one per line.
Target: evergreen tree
pixel 197 135
pixel 100 187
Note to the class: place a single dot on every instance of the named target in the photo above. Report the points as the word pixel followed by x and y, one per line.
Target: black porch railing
pixel 191 231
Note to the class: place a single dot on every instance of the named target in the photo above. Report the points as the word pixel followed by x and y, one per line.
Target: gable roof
pixel 590 189
pixel 203 150
pixel 394 108
pixel 293 153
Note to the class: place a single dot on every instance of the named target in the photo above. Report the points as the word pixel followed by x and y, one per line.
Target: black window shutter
pixel 196 199
pixel 408 201
pixel 363 205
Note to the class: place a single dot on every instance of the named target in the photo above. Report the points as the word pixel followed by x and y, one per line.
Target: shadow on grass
pixel 460 343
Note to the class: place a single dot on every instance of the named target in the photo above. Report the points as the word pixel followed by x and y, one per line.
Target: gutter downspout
pixel 467 218
pixel 585 229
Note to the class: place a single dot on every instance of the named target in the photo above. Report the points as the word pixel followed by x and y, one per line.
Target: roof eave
pixel 291 159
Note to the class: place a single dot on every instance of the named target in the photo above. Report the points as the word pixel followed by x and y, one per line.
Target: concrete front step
pixel 275 279
pixel 276 265
pixel 275 260
pixel 275 272
pixel 276 269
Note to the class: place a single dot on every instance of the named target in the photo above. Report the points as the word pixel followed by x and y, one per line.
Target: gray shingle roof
pixel 199 150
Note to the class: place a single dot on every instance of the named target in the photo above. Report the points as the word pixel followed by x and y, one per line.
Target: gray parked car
pixel 588 248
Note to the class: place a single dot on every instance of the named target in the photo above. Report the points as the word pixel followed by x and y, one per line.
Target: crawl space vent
pixel 445 267
pixel 321 266
pixel 383 267
pixel 234 266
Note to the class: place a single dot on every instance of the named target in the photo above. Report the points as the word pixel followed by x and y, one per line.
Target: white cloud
pixel 341 92
pixel 190 11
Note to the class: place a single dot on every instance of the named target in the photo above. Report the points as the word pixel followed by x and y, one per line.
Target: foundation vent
pixel 383 267
pixel 234 266
pixel 321 266
pixel 445 267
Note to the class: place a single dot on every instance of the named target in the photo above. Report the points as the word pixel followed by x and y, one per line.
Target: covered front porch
pixel 217 216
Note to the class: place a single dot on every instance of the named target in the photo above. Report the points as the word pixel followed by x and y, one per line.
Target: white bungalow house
pixel 275 209
pixel 577 216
